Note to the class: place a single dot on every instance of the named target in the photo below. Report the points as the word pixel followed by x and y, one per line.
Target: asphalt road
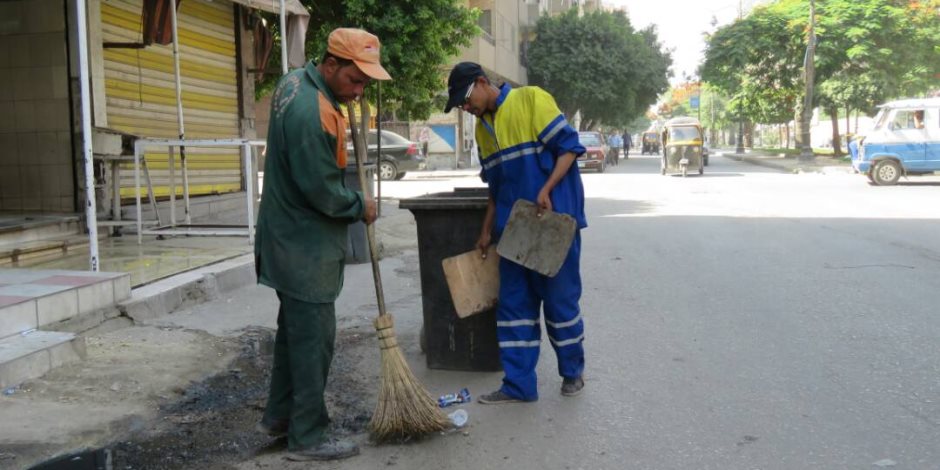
pixel 744 319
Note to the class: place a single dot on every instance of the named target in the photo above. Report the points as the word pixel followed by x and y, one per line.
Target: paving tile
pixel 88 274
pixel 95 296
pixel 21 368
pixel 32 355
pixel 21 276
pixel 122 288
pixel 13 299
pixel 74 281
pixel 57 307
pixel 15 319
pixel 31 290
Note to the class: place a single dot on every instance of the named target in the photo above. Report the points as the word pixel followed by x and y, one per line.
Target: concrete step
pixel 32 354
pixel 44 299
pixel 27 252
pixel 27 228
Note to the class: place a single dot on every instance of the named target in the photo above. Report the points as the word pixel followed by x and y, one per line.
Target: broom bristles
pixel 405 408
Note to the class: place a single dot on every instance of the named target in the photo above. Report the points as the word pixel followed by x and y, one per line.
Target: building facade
pixel 133 94
pixel 506 26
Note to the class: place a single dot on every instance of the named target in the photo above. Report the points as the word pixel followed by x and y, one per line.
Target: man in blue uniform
pixel 527 151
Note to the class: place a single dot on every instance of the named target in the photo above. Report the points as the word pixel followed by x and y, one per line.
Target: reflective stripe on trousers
pixel 522 294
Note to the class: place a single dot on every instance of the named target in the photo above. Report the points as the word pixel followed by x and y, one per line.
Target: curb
pixel 189 288
pixel 755 161
pixel 828 169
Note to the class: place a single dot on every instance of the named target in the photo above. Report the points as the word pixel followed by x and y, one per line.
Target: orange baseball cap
pixel 359 46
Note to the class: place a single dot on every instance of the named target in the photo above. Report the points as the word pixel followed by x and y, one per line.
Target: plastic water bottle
pixel 459 418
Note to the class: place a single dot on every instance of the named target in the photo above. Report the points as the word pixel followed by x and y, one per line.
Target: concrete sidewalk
pixel 181 334
pixel 790 163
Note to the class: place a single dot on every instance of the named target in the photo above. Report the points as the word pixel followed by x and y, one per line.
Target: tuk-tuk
pixel 682 146
pixel 650 143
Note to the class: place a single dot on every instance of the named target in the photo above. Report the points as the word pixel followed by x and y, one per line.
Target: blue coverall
pixel 519 145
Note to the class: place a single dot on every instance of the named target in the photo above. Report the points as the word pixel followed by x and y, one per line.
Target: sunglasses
pixel 466 98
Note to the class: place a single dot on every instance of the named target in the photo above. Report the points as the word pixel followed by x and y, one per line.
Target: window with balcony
pixel 485 22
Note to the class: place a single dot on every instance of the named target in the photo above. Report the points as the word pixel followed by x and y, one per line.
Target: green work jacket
pixel 300 246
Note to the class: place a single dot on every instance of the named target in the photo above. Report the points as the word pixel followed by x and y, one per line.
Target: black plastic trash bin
pixel 357 245
pixel 449 224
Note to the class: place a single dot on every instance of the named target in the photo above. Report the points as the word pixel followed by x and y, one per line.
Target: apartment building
pixel 500 49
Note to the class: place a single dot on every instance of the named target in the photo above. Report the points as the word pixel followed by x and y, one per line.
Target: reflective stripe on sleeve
pixel 554 128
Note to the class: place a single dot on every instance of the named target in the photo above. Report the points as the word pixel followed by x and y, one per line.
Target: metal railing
pixel 246 147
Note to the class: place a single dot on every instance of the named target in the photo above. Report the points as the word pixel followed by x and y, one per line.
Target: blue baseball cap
pixel 461 76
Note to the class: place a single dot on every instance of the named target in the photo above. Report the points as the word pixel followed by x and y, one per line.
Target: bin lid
pixel 459 198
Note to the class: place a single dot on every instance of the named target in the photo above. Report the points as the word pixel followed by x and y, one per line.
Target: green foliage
pixel 874 50
pixel 757 62
pixel 868 51
pixel 598 64
pixel 418 38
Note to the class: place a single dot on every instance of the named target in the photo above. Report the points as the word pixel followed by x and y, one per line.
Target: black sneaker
pixel 496 398
pixel 276 429
pixel 333 449
pixel 572 387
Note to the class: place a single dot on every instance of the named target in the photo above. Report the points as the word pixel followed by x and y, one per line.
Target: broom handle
pixel 370 229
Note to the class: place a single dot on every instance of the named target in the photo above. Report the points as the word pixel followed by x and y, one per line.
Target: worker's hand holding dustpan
pixel 538 242
pixel 473 281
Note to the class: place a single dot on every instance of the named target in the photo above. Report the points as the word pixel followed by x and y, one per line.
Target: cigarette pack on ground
pixel 473 281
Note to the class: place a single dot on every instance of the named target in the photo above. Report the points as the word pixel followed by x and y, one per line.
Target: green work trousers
pixel 303 350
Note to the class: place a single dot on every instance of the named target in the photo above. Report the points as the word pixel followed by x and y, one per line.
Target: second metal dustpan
pixel 538 243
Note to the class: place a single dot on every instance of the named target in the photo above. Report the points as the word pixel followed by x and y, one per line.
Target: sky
pixel 681 24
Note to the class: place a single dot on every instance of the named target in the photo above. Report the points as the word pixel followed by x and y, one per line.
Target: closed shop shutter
pixel 141 94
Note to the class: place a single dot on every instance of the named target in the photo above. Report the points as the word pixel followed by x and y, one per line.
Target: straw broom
pixel 405 408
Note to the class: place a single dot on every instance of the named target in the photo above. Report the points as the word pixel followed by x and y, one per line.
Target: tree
pixel 599 65
pixel 868 51
pixel 756 61
pixel 874 50
pixel 419 37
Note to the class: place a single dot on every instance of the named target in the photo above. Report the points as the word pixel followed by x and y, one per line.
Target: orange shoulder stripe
pixel 334 123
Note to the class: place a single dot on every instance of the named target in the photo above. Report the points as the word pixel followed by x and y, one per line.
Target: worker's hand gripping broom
pixel 405 408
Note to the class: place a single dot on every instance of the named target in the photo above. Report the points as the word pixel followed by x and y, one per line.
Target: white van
pixel 904 142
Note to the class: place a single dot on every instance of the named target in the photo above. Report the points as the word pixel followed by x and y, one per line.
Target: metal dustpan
pixel 538 243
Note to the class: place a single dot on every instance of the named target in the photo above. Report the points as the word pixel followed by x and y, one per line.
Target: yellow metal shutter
pixel 141 96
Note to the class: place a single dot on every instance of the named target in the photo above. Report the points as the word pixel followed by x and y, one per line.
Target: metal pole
pixel 171 159
pixel 91 212
pixel 140 225
pixel 249 191
pixel 179 111
pixel 283 37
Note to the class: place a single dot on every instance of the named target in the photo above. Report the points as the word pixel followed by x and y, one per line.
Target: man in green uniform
pixel 300 247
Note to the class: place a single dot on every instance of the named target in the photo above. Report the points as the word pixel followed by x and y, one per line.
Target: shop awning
pixel 296 25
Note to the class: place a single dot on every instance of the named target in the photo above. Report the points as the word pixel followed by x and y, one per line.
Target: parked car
pixel 399 155
pixel 904 142
pixel 595 158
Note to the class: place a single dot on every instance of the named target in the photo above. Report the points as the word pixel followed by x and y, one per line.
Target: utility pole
pixel 809 71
